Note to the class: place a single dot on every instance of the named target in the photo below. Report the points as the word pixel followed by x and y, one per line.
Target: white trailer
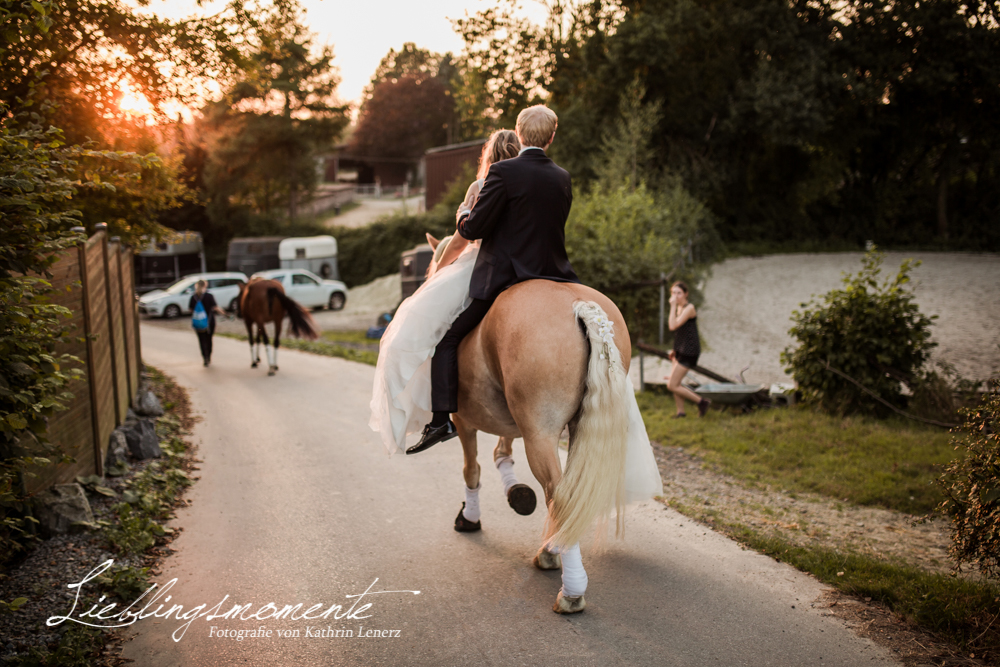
pixel 312 253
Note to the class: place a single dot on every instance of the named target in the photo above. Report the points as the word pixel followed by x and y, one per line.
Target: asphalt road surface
pixel 298 503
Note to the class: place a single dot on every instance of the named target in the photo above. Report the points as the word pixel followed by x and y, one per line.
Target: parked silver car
pixel 309 289
pixel 173 301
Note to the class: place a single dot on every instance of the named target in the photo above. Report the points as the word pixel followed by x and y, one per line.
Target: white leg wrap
pixel 275 357
pixel 505 465
pixel 471 511
pixel 253 357
pixel 270 355
pixel 574 577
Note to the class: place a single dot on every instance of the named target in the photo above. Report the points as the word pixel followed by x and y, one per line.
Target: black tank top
pixel 686 338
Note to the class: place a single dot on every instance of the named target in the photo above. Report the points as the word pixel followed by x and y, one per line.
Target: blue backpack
pixel 199 318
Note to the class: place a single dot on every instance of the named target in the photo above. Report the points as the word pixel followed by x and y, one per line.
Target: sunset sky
pixel 362 32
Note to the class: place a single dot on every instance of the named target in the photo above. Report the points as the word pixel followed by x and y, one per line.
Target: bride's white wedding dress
pixel 401 396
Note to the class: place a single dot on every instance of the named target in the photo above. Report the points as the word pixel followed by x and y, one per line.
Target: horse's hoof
pixel 546 560
pixel 270 372
pixel 253 365
pixel 522 499
pixel 565 605
pixel 463 525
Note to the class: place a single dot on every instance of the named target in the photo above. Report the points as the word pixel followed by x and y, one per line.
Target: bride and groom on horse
pixel 503 338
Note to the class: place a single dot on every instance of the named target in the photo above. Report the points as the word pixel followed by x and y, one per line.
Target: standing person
pixel 207 301
pixel 687 348
pixel 520 217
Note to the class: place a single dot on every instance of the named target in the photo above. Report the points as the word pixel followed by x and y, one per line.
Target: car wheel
pixel 172 311
pixel 337 301
pixel 233 305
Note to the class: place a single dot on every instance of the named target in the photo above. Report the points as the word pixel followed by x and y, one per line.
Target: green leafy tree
pixel 265 135
pixel 871 331
pixel 505 66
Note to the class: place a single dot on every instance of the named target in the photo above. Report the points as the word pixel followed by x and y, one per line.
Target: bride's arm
pixel 454 249
pixel 470 200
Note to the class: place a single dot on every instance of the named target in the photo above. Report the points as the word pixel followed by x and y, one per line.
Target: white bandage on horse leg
pixel 270 355
pixel 505 465
pixel 574 577
pixel 253 357
pixel 471 511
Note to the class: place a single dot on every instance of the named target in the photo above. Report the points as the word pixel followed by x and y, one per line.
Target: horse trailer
pixel 413 268
pixel 317 254
pixel 161 264
pixel 252 254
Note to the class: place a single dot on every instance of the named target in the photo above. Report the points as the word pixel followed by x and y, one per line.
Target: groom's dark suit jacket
pixel 521 218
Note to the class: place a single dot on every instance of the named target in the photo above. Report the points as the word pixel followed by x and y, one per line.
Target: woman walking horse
pixel 262 301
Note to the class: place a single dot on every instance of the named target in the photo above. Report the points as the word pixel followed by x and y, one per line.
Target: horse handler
pixel 207 301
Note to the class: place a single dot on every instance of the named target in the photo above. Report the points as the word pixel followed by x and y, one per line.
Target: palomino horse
pixel 550 355
pixel 262 301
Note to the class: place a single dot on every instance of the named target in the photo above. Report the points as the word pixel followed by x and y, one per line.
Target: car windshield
pixel 179 286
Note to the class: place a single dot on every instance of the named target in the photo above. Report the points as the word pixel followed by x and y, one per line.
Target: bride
pixel 401 396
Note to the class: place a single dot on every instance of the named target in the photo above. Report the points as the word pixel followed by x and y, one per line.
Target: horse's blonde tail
pixel 594 481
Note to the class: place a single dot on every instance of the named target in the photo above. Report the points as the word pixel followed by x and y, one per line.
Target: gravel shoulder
pixel 693 488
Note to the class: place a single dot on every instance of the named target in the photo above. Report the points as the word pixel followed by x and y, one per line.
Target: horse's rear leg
pixel 262 336
pixel 520 497
pixel 467 520
pixel 253 357
pixel 277 342
pixel 543 458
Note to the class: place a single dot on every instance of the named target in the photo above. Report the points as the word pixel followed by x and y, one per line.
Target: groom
pixel 520 216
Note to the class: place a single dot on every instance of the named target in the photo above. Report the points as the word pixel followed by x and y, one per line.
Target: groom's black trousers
pixel 444 363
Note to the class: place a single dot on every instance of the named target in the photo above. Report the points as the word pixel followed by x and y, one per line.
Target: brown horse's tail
pixel 303 325
pixel 594 481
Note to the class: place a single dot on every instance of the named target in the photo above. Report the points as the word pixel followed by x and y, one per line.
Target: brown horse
pixel 262 301
pixel 550 355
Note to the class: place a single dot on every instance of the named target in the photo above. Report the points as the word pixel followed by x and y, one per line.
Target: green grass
pixel 957 609
pixel 887 463
pixel 351 338
pixel 327 346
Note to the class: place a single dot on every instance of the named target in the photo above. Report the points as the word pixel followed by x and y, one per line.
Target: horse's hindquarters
pixel 523 369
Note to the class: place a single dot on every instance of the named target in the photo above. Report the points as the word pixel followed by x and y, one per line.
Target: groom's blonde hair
pixel 535 125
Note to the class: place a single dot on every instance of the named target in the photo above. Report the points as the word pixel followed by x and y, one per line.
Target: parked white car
pixel 173 301
pixel 308 289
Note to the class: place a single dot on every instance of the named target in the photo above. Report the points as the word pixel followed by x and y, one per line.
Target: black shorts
pixel 688 361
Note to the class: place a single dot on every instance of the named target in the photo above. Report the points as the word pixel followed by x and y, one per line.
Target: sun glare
pixel 133 102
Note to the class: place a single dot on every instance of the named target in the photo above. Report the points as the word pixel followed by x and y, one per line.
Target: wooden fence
pixel 96 282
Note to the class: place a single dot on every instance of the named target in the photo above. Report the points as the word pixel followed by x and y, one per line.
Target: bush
pixel 622 238
pixel 34 194
pixel 971 484
pixel 871 332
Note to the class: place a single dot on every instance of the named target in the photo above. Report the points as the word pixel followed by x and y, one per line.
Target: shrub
pixel 971 484
pixel 621 238
pixel 872 332
pixel 34 193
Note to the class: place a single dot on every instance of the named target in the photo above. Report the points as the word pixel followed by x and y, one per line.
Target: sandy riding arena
pixel 749 302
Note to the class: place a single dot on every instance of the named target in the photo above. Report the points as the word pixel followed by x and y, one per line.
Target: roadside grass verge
pixel 887 463
pixel 341 344
pixel 959 610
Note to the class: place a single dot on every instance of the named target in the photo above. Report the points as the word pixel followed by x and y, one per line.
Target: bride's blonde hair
pixel 502 145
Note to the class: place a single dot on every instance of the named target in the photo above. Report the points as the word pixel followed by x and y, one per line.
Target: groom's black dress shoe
pixel 433 435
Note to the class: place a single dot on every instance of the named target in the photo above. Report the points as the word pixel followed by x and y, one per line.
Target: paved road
pixel 298 503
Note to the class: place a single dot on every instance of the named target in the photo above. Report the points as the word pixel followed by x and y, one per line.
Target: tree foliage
pixel 871 331
pixel 792 120
pixel 408 107
pixel 971 485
